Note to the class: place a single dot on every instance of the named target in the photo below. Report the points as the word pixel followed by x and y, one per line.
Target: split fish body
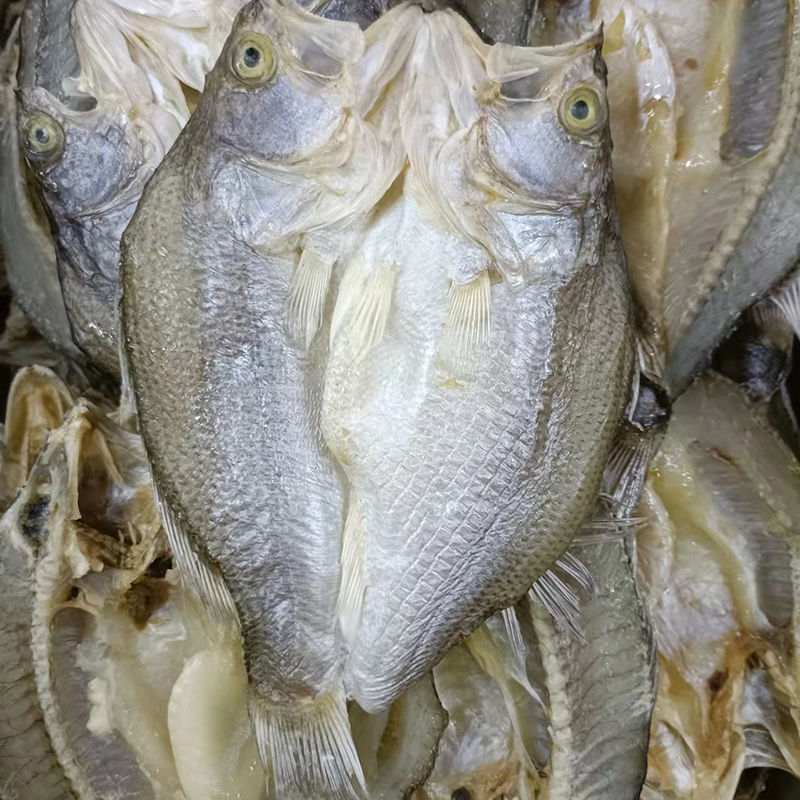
pixel 376 318
pixel 218 324
pixel 475 430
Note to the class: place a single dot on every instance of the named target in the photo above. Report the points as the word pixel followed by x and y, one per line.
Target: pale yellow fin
pixel 353 585
pixel 307 295
pixel 363 308
pixel 308 748
pixel 467 327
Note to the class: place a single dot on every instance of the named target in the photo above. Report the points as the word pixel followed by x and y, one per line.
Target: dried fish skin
pixel 28 763
pixel 758 150
pixel 457 423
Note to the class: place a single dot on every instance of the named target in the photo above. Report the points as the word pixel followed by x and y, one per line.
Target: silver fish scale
pixel 239 458
pixel 465 495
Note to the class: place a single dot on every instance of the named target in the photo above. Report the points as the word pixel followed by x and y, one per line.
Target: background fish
pixel 89 206
pixel 28 253
pixel 103 90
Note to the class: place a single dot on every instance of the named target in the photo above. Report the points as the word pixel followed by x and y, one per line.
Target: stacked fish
pixel 338 464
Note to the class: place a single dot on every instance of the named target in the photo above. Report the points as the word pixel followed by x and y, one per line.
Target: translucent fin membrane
pixel 625 472
pixel 560 601
pixel 351 595
pixel 466 330
pixel 307 295
pixel 517 655
pixel 197 576
pixel 489 656
pixel 787 298
pixel 362 309
pixel 309 747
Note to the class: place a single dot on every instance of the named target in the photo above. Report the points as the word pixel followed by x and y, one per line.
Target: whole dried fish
pixel 481 349
pixel 277 150
pixel 283 174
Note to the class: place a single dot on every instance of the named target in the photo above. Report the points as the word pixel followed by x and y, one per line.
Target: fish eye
pixel 582 112
pixel 253 59
pixel 44 137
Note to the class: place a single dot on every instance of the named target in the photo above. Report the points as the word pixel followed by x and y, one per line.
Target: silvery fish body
pixel 475 430
pixel 228 392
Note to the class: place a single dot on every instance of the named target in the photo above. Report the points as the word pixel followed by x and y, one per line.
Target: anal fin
pixel 198 576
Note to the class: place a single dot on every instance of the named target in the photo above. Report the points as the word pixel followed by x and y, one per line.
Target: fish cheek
pixel 92 169
pixel 277 122
pixel 528 146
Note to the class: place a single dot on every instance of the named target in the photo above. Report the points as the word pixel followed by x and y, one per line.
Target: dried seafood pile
pixel 377 430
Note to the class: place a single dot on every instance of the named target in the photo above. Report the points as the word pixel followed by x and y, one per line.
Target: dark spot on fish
pixel 691 63
pixel 72 594
pixel 32 519
pixel 717 680
pixel 753 661
pixel 143 598
pixel 461 793
pixel 159 567
pixel 653 405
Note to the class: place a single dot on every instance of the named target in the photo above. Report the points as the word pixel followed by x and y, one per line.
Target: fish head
pixel 91 167
pixel 281 87
pixel 546 133
pixel 84 160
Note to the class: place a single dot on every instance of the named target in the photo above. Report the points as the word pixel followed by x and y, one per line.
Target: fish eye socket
pixel 253 60
pixel 582 112
pixel 44 137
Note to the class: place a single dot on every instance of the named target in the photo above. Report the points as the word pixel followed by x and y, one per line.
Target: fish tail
pixel 308 748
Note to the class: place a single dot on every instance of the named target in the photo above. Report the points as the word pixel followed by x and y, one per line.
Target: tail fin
pixel 308 748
